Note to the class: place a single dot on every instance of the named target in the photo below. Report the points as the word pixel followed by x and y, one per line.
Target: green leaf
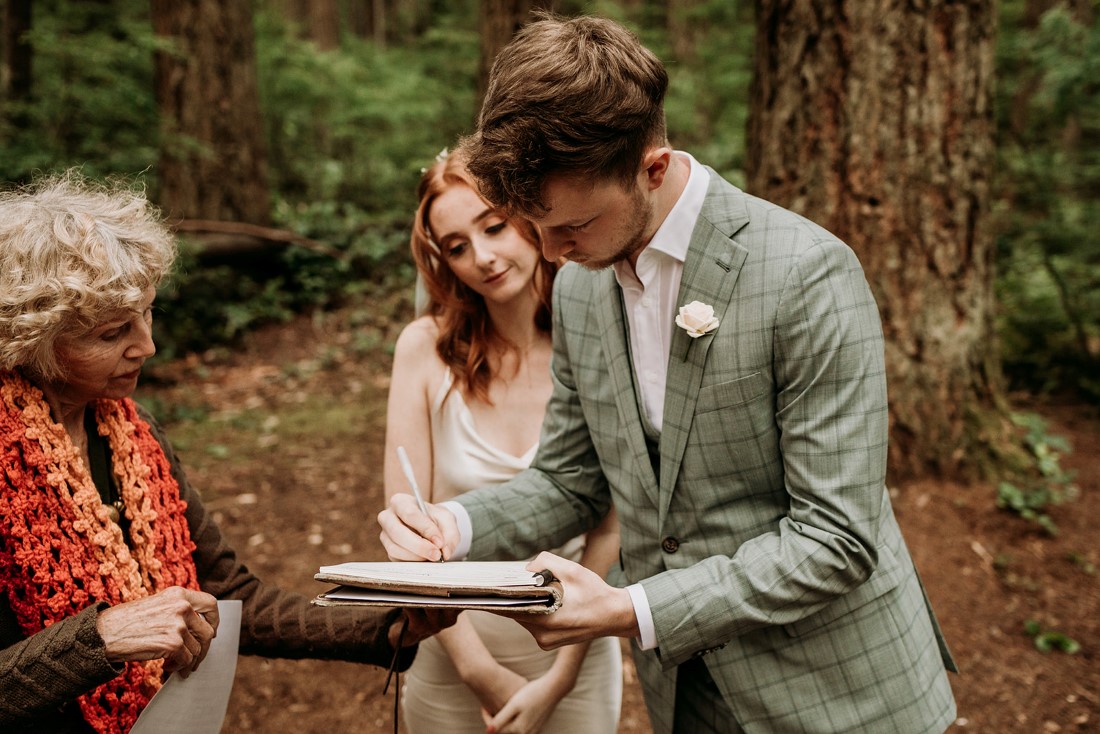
pixel 1047 641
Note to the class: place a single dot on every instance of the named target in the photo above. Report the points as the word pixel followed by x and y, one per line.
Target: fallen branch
pixel 228 238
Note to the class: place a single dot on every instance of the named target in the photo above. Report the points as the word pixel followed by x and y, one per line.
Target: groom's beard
pixel 633 234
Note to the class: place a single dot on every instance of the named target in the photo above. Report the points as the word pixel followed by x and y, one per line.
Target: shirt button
pixel 670 545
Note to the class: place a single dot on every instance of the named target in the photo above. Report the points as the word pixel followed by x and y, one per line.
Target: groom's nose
pixel 555 245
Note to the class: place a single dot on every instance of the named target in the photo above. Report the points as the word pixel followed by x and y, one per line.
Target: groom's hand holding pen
pixel 414 530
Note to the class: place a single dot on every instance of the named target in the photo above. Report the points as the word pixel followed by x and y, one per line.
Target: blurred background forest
pixel 955 146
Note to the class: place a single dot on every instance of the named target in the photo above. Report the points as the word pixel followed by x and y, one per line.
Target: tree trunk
pixel 15 78
pixel 498 21
pixel 359 17
pixel 376 23
pixel 295 13
pixel 324 24
pixel 213 161
pixel 684 29
pixel 874 119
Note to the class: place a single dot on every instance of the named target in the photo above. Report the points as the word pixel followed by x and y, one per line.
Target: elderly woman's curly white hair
pixel 72 250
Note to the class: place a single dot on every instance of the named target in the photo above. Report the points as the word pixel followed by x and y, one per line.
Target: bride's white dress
pixel 433 698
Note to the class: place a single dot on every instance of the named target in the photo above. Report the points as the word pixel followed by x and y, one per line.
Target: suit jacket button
pixel 670 545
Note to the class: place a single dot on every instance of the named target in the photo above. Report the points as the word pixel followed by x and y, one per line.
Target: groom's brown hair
pixel 576 97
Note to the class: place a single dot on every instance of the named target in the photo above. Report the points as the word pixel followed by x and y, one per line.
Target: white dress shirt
pixel 650 290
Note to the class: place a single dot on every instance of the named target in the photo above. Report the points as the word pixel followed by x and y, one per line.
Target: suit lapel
pixel 710 271
pixel 613 336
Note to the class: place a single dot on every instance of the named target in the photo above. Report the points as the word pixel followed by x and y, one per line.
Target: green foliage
pixel 348 131
pixel 1046 209
pixel 1047 640
pixel 1049 484
pixel 709 75
pixel 1082 562
pixel 92 103
pixel 200 307
pixel 352 127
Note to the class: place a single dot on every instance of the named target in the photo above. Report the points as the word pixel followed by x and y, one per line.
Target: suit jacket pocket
pixel 729 394
pixel 733 430
pixel 886 577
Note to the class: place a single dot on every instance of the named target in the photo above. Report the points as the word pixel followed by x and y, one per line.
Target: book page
pixel 456 574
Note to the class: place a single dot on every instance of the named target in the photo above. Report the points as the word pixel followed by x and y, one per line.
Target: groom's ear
pixel 655 164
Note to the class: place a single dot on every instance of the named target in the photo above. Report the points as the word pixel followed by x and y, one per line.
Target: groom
pixel 718 376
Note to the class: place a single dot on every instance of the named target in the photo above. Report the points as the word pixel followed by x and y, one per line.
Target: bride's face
pixel 483 248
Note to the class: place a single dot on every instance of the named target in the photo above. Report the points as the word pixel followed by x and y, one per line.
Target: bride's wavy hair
pixel 466 334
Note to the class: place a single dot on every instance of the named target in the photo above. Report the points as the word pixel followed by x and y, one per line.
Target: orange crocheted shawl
pixel 59 551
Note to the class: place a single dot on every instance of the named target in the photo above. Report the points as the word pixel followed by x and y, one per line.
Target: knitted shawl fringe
pixel 59 550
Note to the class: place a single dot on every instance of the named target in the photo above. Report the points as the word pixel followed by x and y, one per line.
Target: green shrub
pixel 1048 640
pixel 1046 212
pixel 1048 483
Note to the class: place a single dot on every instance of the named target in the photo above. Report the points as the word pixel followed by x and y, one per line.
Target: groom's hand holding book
pixel 590 608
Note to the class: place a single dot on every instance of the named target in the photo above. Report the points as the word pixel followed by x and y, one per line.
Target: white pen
pixel 407 468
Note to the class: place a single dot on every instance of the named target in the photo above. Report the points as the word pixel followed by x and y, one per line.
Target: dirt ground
pixel 283 437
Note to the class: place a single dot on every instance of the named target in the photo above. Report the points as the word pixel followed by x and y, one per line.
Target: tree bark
pixel 324 24
pixel 213 159
pixel 874 119
pixel 684 29
pixel 498 21
pixel 18 53
pixel 375 22
pixel 359 17
pixel 295 11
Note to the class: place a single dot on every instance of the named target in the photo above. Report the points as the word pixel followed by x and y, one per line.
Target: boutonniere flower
pixel 697 319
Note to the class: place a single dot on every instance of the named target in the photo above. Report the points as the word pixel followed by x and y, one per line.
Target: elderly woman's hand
pixel 175 624
pixel 422 623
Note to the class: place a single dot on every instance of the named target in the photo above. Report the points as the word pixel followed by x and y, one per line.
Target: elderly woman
pixel 110 568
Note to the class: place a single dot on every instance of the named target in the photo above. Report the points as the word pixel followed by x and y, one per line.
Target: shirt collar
pixel 673 237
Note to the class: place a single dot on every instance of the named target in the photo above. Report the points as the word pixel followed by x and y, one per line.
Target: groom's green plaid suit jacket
pixel 767 544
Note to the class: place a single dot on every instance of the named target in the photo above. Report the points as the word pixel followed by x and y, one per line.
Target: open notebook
pixel 486 585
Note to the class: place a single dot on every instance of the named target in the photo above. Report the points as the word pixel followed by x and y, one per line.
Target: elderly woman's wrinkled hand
pixel 422 623
pixel 175 624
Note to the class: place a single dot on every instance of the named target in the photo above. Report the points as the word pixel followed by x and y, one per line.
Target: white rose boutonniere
pixel 697 319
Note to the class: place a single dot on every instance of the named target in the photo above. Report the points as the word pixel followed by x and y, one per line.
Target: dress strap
pixel 443 391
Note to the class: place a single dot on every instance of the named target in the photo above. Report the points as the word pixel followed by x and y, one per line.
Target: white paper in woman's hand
pixel 196 704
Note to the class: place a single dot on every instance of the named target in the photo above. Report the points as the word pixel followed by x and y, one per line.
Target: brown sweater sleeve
pixel 44 673
pixel 277 623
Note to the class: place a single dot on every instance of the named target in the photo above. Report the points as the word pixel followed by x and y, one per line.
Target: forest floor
pixel 283 436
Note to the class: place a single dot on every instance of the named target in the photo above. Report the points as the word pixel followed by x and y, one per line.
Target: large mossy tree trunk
pixel 874 118
pixel 213 159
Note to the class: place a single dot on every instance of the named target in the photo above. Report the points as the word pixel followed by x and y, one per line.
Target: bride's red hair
pixel 466 332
